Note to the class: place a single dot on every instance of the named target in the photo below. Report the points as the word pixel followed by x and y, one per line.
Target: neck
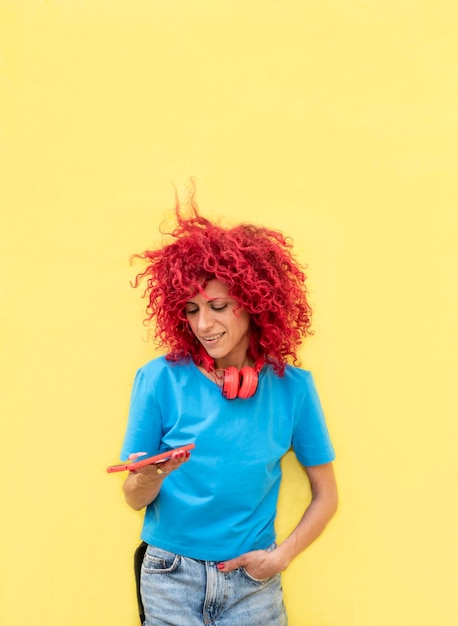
pixel 224 363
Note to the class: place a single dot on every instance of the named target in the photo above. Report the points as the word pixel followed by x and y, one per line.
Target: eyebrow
pixel 210 299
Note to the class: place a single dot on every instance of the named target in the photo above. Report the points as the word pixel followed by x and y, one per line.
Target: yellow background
pixel 334 121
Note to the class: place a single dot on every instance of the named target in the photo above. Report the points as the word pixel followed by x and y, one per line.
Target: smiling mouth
pixel 213 338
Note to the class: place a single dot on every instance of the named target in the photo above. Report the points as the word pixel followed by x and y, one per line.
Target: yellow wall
pixel 334 121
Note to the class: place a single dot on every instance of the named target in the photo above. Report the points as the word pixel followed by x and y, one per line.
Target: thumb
pixel 230 565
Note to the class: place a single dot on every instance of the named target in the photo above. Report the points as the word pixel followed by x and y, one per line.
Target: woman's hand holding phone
pixel 143 483
pixel 177 458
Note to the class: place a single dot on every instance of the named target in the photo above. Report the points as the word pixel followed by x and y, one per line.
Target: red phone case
pixel 156 458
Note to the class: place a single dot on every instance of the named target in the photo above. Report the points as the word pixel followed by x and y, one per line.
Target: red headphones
pixel 236 384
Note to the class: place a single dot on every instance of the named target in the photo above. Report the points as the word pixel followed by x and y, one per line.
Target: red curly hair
pixel 254 262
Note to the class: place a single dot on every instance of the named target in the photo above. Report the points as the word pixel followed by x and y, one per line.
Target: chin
pixel 217 355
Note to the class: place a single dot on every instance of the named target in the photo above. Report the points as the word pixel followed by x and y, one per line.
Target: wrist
pixel 282 556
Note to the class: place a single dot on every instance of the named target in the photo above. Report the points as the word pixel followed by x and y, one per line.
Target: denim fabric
pixel 179 591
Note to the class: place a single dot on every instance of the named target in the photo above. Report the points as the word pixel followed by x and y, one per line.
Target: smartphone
pixel 157 457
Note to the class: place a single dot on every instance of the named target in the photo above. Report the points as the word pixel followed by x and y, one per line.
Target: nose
pixel 205 320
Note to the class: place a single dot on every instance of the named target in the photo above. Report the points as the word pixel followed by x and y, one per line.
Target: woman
pixel 230 307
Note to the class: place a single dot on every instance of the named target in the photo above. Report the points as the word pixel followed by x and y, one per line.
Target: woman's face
pixel 221 326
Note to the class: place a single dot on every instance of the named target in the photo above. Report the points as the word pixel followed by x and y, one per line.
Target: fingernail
pixel 220 566
pixel 134 456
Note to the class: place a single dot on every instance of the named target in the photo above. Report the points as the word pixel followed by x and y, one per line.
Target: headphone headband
pixel 236 384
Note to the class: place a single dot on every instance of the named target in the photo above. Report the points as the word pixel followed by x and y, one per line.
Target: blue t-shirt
pixel 222 502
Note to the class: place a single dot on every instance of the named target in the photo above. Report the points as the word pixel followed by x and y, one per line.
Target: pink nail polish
pixel 220 566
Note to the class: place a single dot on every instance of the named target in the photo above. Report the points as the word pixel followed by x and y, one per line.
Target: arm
pixel 142 486
pixel 317 515
pixel 262 564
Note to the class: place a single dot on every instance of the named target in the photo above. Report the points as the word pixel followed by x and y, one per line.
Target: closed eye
pixel 191 310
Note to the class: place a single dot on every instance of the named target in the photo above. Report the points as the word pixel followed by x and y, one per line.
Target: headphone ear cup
pixel 231 383
pixel 248 382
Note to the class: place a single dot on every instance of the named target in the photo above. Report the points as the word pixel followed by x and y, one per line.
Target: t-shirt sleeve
pixel 311 441
pixel 144 425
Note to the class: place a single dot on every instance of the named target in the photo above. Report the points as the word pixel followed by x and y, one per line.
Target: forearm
pixel 313 522
pixel 315 518
pixel 141 489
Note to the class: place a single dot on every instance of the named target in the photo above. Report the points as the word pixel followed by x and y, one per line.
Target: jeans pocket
pixel 258 581
pixel 159 561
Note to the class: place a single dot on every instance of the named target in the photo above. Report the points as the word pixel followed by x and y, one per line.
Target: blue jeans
pixel 179 591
